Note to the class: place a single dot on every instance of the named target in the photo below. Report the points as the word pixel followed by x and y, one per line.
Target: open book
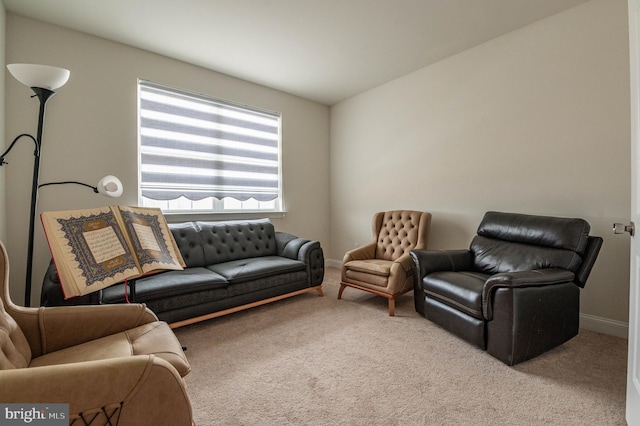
pixel 95 248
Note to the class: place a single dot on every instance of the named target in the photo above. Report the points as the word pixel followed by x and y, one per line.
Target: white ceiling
pixel 324 50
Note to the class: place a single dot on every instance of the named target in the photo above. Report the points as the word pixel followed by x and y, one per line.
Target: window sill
pixel 174 217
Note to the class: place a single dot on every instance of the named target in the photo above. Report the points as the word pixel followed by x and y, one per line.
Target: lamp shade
pixel 110 186
pixel 42 76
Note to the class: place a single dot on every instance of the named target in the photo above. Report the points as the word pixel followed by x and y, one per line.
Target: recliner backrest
pixel 509 242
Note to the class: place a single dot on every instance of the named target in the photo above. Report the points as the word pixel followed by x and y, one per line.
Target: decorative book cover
pixel 95 248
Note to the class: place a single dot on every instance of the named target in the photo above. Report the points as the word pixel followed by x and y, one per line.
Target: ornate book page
pixel 89 249
pixel 151 239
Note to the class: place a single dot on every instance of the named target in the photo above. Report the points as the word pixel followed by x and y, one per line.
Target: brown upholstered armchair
pixel 516 290
pixel 113 364
pixel 384 267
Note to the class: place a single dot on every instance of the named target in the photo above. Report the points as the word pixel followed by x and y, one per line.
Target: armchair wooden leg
pixel 342 287
pixel 390 297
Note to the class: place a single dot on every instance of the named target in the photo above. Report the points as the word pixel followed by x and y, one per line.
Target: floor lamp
pixel 43 80
pixel 109 186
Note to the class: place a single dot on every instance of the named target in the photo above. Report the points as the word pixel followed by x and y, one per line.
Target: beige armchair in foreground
pixel 113 364
pixel 384 267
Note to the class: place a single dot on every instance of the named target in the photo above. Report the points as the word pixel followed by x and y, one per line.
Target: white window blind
pixel 194 148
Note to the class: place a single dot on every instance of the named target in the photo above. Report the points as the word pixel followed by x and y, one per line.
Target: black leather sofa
pixel 516 291
pixel 231 265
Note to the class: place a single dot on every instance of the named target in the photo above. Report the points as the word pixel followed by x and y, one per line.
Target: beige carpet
pixel 313 360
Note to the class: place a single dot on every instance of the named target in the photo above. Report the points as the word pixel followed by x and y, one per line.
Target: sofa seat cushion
pixel 270 285
pixel 460 290
pixel 241 270
pixel 151 338
pixel 167 285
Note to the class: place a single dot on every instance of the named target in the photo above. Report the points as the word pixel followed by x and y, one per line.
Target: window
pixel 203 154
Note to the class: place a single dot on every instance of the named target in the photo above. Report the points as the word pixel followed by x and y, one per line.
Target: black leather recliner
pixel 516 291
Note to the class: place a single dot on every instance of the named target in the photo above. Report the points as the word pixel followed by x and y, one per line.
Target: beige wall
pixel 90 131
pixel 536 121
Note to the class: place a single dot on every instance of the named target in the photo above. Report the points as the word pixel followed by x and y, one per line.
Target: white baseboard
pixel 604 325
pixel 332 263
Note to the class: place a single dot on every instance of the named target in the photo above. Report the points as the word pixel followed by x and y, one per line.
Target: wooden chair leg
pixel 342 287
pixel 392 307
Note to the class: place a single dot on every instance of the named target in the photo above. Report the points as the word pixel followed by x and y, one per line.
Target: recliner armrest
pixel 428 261
pixel 88 387
pixel 588 260
pixel 65 326
pixel 533 278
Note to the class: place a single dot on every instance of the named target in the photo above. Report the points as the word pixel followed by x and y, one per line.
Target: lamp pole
pixel 43 95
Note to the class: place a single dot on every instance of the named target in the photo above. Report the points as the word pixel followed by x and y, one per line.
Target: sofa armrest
pixel 65 326
pixel 533 278
pixel 282 240
pixel 142 386
pixel 428 261
pixel 307 251
pixel 312 255
pixel 293 248
pixel 52 295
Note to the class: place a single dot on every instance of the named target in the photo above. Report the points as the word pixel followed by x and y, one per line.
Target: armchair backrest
pixel 15 351
pixel 399 231
pixel 509 242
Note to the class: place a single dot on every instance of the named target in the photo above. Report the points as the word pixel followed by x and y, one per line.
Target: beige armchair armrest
pixel 404 262
pixel 361 253
pixel 400 274
pixel 124 387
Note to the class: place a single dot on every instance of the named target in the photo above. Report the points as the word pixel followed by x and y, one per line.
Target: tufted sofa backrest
pixel 207 243
pixel 510 242
pixel 238 239
pixel 399 231
pixel 187 237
